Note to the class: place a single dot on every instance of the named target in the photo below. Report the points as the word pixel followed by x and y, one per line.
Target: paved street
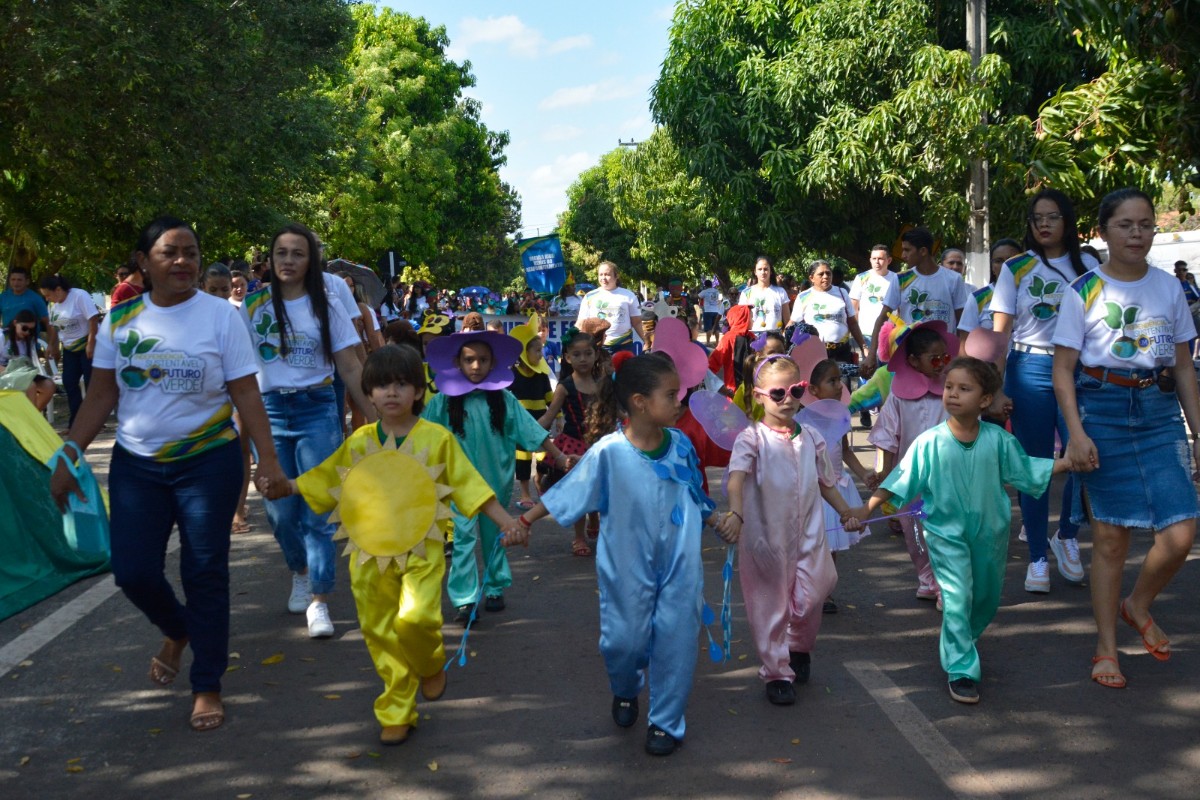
pixel 529 714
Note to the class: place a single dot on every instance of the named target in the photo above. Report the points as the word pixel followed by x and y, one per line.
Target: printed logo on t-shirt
pixel 267 350
pixel 923 308
pixel 172 372
pixel 821 314
pixel 1153 336
pixel 1046 295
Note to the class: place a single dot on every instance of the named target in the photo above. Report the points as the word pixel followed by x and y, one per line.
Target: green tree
pixel 1138 123
pixel 589 221
pixel 829 124
pixel 117 110
pixel 420 170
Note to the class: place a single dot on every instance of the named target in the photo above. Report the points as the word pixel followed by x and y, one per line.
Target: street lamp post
pixel 978 267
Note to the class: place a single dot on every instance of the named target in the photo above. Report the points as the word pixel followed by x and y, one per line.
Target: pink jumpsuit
pixel 785 566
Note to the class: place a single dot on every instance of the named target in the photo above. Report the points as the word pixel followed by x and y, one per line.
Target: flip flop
pixel 593 531
pixel 1110 680
pixel 207 720
pixel 525 505
pixel 580 549
pixel 1154 649
pixel 240 527
pixel 162 673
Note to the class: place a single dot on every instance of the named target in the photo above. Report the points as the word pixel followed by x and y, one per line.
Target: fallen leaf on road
pixel 232 667
pixel 25 664
pixel 115 668
pixel 155 731
pixel 373 754
pixel 731 711
pixel 537 577
pixel 472 654
pixel 782 760
pixel 275 659
pixel 850 606
pixel 795 741
pixel 24 760
pixel 432 766
pixel 333 697
pixel 235 655
pixel 879 605
pixel 308 658
pixel 271 683
pixel 428 716
pixel 74 760
pixel 742 657
pixel 74 768
pixel 244 796
pixel 353 755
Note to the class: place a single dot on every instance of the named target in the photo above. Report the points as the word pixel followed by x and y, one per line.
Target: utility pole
pixel 979 268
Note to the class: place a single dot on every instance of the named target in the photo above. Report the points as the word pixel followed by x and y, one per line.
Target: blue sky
pixel 566 80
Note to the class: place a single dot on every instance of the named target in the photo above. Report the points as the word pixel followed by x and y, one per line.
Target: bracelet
pixel 739 516
pixel 521 519
pixel 78 449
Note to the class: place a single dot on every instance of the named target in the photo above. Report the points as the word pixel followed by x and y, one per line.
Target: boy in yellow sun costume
pixel 389 487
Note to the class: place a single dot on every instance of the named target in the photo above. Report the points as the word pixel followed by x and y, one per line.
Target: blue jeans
pixel 76 366
pixel 199 494
pixel 1035 416
pixel 339 390
pixel 306 431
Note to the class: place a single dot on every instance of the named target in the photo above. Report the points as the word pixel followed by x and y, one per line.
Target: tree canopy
pixel 238 117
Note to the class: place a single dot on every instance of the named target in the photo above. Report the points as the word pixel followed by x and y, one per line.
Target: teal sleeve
pixel 1021 471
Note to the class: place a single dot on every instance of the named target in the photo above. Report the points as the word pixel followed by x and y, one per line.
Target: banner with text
pixel 542 259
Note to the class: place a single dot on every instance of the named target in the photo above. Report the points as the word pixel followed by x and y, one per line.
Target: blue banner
pixel 542 259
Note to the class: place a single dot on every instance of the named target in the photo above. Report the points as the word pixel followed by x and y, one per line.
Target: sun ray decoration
pixel 385 485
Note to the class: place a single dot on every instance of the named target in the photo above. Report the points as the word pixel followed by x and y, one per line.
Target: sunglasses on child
pixel 796 390
pixel 937 362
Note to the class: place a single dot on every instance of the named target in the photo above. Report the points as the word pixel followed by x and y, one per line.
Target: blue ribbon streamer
pixel 460 655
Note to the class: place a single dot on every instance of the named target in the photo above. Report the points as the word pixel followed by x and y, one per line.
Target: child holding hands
pixel 390 508
pixel 645 481
pixel 778 475
pixel 960 467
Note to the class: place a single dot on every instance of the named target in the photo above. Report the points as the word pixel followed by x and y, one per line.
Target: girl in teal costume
pixel 472 370
pixel 959 468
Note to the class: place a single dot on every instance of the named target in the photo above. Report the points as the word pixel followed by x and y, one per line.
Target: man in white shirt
pixel 870 288
pixel 711 308
pixel 924 292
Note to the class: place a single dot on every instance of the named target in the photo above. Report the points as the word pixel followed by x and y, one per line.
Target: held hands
pixel 729 528
pixel 1081 454
pixel 271 481
pixel 516 534
pixel 872 479
pixel 851 521
pixel 1001 407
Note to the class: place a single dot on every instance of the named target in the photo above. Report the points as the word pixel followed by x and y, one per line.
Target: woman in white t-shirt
pixel 75 317
pixel 619 307
pixel 768 302
pixel 301 335
pixel 829 311
pixel 179 361
pixel 1122 371
pixel 1025 301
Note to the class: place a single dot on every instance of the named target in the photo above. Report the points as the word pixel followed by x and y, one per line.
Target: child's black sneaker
pixel 829 607
pixel 659 742
pixel 801 664
pixel 625 711
pixel 964 690
pixel 464 613
pixel 781 693
pixel 493 602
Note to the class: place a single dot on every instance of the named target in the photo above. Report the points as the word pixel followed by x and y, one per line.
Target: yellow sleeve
pixel 315 484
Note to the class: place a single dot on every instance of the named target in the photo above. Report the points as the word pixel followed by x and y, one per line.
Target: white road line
pixel 955 771
pixel 44 632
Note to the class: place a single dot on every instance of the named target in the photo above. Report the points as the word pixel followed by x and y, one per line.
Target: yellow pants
pixel 400 613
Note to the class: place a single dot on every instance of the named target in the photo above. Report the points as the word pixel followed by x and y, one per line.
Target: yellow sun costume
pixel 388 498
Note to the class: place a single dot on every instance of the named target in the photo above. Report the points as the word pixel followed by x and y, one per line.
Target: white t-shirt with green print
pixel 172 365
pixel 1124 324
pixel 1030 290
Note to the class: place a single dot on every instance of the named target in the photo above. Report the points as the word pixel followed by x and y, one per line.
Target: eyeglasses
pixel 777 394
pixel 1044 219
pixel 1126 228
pixel 937 362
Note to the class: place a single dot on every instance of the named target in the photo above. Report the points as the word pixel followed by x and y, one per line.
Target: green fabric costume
pixel 494 455
pixel 967 528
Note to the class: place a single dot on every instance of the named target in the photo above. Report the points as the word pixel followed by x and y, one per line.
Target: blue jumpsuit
pixel 648 564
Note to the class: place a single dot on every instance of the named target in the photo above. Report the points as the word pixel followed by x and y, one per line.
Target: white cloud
pixel 638 127
pixel 561 133
pixel 519 39
pixel 548 183
pixel 611 89
pixel 666 12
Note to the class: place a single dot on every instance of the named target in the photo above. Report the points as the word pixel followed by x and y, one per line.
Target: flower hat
pixel 691 362
pixel 908 384
pixel 807 352
pixel 442 352
pixel 525 334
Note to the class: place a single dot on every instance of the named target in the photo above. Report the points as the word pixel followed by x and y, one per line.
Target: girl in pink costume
pixel 778 473
pixel 916 354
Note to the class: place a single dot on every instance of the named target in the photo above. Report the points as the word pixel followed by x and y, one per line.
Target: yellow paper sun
pixel 389 503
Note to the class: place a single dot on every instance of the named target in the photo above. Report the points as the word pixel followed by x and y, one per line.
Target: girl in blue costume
pixel 645 481
pixel 472 370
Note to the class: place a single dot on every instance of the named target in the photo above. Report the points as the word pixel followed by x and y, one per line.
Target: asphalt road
pixel 529 714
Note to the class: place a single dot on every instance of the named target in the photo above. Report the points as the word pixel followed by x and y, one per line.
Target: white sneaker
pixel 1037 577
pixel 1066 555
pixel 320 626
pixel 1021 536
pixel 300 598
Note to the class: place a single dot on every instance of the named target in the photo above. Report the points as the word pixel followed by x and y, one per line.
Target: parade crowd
pixel 1061 364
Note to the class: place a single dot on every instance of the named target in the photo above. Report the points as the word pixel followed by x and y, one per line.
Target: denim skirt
pixel 1144 479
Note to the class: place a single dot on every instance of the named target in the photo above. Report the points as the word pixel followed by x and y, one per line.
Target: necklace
pixel 781 431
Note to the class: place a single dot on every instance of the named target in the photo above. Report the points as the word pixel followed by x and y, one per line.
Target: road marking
pixel 41 634
pixel 956 772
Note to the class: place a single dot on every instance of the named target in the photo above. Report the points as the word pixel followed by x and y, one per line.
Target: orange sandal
pixel 1155 649
pixel 1111 680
